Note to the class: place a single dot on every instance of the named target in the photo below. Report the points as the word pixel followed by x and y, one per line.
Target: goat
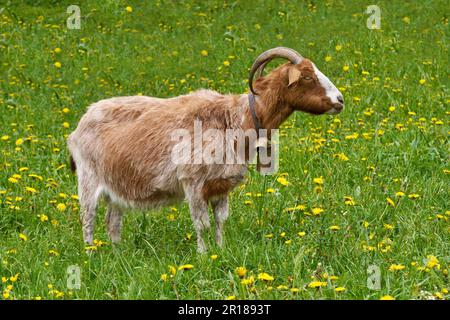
pixel 121 148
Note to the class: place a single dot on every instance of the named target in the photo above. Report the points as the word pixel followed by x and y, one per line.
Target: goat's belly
pixel 156 199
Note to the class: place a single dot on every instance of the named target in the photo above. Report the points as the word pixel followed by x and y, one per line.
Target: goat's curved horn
pixel 265 57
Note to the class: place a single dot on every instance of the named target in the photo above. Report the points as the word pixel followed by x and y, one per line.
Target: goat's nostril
pixel 340 99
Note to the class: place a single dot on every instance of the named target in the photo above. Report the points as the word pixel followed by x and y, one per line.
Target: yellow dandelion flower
pixel 241 272
pixel 30 189
pixel 317 284
pixel 396 267
pixel 339 289
pixel 248 281
pixel 172 270
pixel 204 53
pixel 318 180
pixel 390 202
pixel 317 211
pixel 61 207
pixel 265 277
pixel 58 64
pixel 387 297
pixel 185 267
pixel 283 181
pixel 129 9
pixel 23 237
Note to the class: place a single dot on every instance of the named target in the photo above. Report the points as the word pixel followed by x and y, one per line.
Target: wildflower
pixel 339 289
pixel 388 226
pixel 391 109
pixel 53 252
pixel 283 181
pixel 338 47
pixel 164 277
pixel 399 194
pixel 317 284
pixel 14 277
pixel 248 281
pixel 129 9
pixel 413 196
pixel 318 180
pixel 43 217
pixel 396 267
pixel 301 233
pixel 335 228
pixel 13 180
pixel 241 272
pixel 328 58
pixel 57 64
pixel 19 142
pixel 226 63
pixel 185 267
pixel 341 156
pixel 65 110
pixel 432 262
pixel 214 257
pixel 387 297
pixel 231 298
pixel 295 290
pixel 270 190
pixel 265 277
pixel 317 211
pixel 204 53
pixel 172 270
pixel 349 201
pixel 390 202
pixel 30 189
pixel 66 125
pixel 4 138
pixel 91 248
pixel 345 68
pixel 61 207
pixel 23 237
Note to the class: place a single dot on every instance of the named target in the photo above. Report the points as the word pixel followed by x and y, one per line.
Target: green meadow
pixel 360 206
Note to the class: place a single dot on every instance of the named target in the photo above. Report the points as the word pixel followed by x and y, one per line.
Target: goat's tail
pixel 73 166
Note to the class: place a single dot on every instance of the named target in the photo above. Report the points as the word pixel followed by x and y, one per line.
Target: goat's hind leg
pixel 88 194
pixel 220 208
pixel 113 221
pixel 199 214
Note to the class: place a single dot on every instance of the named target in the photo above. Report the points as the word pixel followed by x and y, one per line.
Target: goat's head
pixel 299 84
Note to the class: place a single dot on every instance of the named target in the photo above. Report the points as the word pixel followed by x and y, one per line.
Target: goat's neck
pixel 271 113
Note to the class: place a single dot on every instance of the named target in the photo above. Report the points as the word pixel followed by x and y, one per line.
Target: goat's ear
pixel 294 75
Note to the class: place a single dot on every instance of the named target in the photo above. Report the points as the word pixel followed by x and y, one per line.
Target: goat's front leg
pixel 220 208
pixel 199 214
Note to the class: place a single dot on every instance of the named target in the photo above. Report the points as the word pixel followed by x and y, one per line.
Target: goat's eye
pixel 307 78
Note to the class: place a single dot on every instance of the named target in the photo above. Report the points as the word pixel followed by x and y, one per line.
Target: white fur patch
pixel 330 89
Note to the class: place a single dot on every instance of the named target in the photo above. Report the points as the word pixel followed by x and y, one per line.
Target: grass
pixel 392 137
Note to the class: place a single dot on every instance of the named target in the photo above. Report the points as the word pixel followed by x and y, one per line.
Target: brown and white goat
pixel 121 148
